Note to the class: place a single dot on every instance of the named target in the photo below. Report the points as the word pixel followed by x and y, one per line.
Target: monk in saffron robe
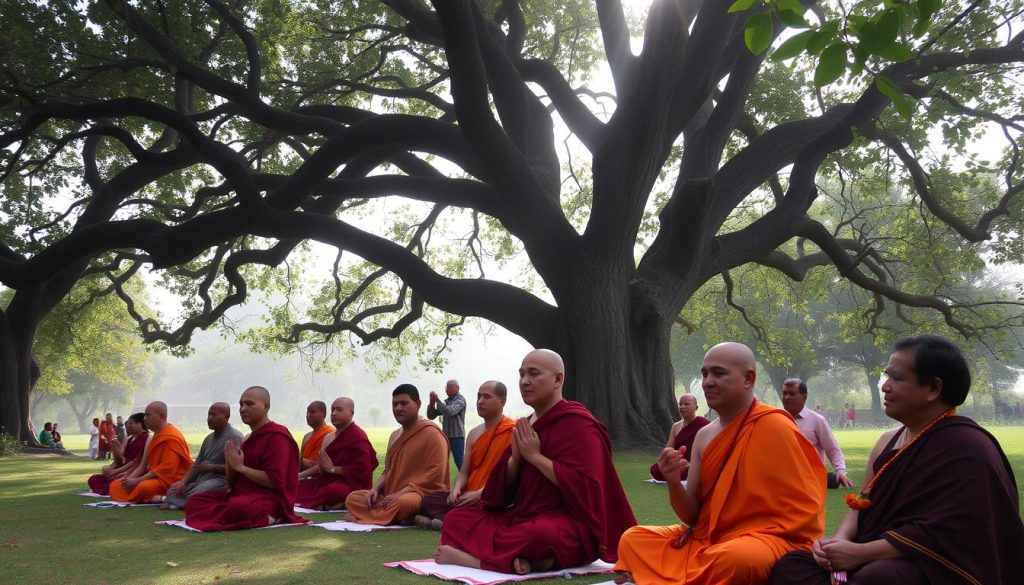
pixel 316 417
pixel 683 432
pixel 756 490
pixel 554 499
pixel 940 503
pixel 166 460
pixel 108 436
pixel 262 475
pixel 485 444
pixel 416 464
pixel 130 455
pixel 345 463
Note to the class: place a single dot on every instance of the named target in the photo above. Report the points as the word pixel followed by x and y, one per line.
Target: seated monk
pixel 554 499
pixel 165 461
pixel 683 432
pixel 345 463
pixel 207 471
pixel 939 504
pixel 316 416
pixel 129 456
pixel 262 475
pixel 756 490
pixel 416 464
pixel 491 439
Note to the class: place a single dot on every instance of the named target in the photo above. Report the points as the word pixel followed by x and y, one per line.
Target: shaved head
pixel 540 380
pixel 217 417
pixel 344 401
pixel 738 353
pixel 157 407
pixel 253 406
pixel 342 411
pixel 728 375
pixel 222 407
pixel 549 358
pixel 156 415
pixel 259 392
pixel 687 407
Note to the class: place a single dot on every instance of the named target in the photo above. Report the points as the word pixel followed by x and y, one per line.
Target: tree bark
pixel 877 416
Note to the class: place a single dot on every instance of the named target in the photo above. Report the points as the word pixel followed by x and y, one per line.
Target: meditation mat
pixel 682 482
pixel 111 504
pixel 343 526
pixel 300 510
pixel 93 495
pixel 483 577
pixel 181 524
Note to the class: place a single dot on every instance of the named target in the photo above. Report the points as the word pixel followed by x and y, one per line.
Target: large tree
pixel 217 138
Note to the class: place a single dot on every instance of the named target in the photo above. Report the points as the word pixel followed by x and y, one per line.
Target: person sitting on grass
pixel 345 463
pixel 166 460
pixel 58 443
pixel 46 435
pixel 682 432
pixel 207 471
pixel 127 458
pixel 316 417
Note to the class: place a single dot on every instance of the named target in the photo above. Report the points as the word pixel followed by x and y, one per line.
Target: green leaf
pixel 792 47
pixel 741 5
pixel 823 37
pixel 831 64
pixel 925 10
pixel 899 101
pixel 880 34
pixel 897 52
pixel 758 32
pixel 793 19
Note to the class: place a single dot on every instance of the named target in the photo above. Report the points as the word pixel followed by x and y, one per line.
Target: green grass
pixel 49 537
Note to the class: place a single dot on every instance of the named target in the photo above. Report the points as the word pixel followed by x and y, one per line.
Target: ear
pixel 559 377
pixel 935 389
pixel 750 377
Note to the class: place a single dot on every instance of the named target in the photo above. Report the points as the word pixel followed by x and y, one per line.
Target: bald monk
pixel 491 439
pixel 130 456
pixel 207 471
pixel 165 461
pixel 940 504
pixel 756 490
pixel 316 417
pixel 554 499
pixel 345 462
pixel 416 464
pixel 683 432
pixel 262 475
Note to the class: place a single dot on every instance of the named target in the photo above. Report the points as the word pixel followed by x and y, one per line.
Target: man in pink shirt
pixel 815 428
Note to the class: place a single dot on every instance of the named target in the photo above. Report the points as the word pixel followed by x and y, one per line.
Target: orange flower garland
pixel 861 501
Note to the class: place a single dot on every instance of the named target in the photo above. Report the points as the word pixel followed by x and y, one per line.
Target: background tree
pixel 426 145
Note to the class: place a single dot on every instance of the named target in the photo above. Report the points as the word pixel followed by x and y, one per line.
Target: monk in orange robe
pixel 756 490
pixel 316 418
pixel 165 461
pixel 485 444
pixel 416 464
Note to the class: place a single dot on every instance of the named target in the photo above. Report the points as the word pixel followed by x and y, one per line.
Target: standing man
pixel 453 418
pixel 554 499
pixel 940 503
pixel 108 434
pixel 316 418
pixel 851 415
pixel 262 475
pixel 207 472
pixel 756 490
pixel 119 429
pixel 683 432
pixel 816 429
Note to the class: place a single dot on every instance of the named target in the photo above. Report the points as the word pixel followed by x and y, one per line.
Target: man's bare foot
pixel 624 578
pixel 350 517
pixel 521 566
pixel 449 555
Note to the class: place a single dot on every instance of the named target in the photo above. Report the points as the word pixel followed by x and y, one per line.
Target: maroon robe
pixel 271 449
pixel 949 504
pixel 352 453
pixel 575 522
pixel 133 450
pixel 684 438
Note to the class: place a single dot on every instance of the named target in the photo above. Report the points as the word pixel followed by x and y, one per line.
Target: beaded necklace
pixel 861 501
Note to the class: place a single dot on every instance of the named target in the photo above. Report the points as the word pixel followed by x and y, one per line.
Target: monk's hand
pixel 129 483
pixel 453 496
pixel 672 463
pixel 844 480
pixel 371 497
pixel 469 498
pixel 819 555
pixel 526 439
pixel 843 555
pixel 176 488
pixel 233 456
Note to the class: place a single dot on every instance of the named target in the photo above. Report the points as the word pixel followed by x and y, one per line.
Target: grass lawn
pixel 49 537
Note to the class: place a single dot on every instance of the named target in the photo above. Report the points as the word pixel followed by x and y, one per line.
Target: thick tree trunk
pixel 10 408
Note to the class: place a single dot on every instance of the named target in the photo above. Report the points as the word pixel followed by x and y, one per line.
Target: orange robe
pixel 417 459
pixel 486 451
pixel 769 500
pixel 311 448
pixel 167 457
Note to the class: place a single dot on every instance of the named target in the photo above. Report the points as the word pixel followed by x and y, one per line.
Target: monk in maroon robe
pixel 344 464
pixel 940 503
pixel 554 499
pixel 134 448
pixel 262 476
pixel 682 433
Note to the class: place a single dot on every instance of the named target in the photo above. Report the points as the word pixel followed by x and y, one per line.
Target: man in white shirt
pixel 815 427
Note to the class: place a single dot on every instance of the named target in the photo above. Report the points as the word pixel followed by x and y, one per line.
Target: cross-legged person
pixel 316 418
pixel 165 461
pixel 683 432
pixel 207 471
pixel 554 499
pixel 345 462
pixel 127 458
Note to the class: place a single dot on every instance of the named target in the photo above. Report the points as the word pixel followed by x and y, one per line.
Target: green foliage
pixel 9 445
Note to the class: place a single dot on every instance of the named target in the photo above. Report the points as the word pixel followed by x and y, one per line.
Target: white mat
pixel 482 577
pixel 112 504
pixel 93 495
pixel 682 482
pixel 343 526
pixel 300 510
pixel 181 524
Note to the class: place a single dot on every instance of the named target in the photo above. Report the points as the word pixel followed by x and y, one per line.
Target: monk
pixel 108 435
pixel 262 475
pixel 491 439
pixel 345 463
pixel 130 456
pixel 416 464
pixel 939 504
pixel 316 416
pixel 554 499
pixel 207 471
pixel 756 490
pixel 165 461
pixel 682 432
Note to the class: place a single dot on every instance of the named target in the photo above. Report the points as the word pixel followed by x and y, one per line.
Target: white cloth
pixel 343 526
pixel 483 577
pixel 181 524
